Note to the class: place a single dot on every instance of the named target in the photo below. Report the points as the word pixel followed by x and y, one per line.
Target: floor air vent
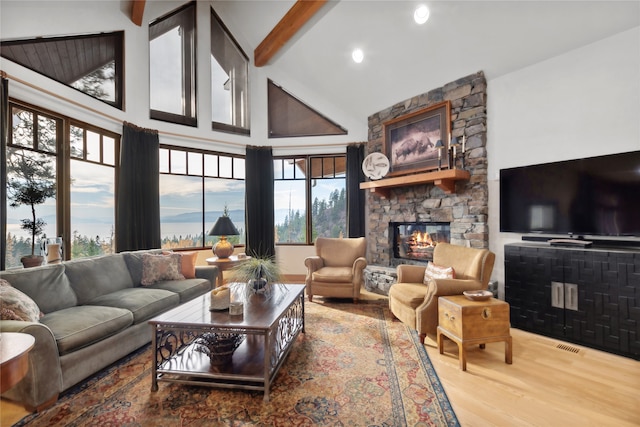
pixel 568 348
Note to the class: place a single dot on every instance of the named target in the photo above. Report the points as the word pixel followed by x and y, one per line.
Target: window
pixel 172 66
pixel 321 192
pixel 91 63
pixel 92 190
pixel 195 187
pixel 229 81
pixel 31 166
pixel 82 170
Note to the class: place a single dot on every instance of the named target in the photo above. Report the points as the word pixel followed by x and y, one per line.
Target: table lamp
pixel 223 228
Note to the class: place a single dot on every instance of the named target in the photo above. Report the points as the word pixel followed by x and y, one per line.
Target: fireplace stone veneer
pixel 466 209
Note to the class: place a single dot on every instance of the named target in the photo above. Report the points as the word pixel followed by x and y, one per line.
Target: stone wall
pixel 467 208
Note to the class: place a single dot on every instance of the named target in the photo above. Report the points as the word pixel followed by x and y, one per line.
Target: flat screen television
pixel 596 196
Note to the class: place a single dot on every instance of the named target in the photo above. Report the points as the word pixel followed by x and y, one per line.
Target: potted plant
pixel 31 181
pixel 258 273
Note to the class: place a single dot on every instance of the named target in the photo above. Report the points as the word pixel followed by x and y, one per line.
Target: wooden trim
pixel 137 11
pixel 444 179
pixel 294 19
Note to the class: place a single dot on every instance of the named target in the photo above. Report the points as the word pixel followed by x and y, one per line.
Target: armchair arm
pixel 313 263
pixel 427 311
pixel 43 381
pixel 410 273
pixel 209 272
pixel 358 266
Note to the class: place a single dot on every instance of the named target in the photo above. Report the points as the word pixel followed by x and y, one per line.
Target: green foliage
pixel 30 182
pixel 257 267
pixel 328 219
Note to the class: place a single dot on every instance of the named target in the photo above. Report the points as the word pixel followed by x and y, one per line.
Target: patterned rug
pixel 354 366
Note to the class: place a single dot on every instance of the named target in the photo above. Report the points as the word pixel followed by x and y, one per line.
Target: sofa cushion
pixel 409 294
pixel 93 277
pixel 156 268
pixel 134 263
pixel 48 286
pixel 333 274
pixel 16 305
pixel 187 289
pixel 80 326
pixel 144 303
pixel 187 263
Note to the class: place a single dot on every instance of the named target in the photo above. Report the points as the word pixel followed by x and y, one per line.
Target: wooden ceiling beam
pixel 294 19
pixel 137 11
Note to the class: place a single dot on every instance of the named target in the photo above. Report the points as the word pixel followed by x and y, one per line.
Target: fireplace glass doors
pixel 416 240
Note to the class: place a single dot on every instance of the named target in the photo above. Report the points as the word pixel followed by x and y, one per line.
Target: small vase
pixel 258 284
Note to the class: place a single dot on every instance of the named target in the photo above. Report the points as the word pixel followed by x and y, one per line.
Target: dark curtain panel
pixel 4 139
pixel 138 203
pixel 355 196
pixel 259 202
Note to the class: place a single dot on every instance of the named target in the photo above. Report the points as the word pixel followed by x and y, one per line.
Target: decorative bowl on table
pixel 219 346
pixel 479 295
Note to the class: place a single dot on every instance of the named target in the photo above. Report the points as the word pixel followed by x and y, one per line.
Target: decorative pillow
pixel 437 272
pixel 160 267
pixel 17 305
pixel 187 263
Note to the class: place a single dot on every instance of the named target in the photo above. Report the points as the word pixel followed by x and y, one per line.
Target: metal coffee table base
pixel 255 363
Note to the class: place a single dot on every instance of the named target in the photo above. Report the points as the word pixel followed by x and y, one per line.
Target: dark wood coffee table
pixel 270 325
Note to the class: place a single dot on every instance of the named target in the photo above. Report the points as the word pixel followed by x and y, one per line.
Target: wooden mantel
pixel 444 179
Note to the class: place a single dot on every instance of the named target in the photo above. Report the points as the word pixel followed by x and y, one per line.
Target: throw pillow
pixel 187 263
pixel 17 305
pixel 160 267
pixel 438 272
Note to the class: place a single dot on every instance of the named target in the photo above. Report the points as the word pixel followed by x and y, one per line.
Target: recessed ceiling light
pixel 357 55
pixel 421 15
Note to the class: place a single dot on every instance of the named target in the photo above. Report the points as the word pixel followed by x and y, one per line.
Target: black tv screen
pixel 596 196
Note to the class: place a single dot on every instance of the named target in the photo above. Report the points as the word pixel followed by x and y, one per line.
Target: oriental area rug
pixel 353 366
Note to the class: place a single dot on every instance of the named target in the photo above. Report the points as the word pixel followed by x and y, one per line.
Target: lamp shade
pixel 223 227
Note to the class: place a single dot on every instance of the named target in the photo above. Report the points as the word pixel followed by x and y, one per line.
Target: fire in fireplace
pixel 416 240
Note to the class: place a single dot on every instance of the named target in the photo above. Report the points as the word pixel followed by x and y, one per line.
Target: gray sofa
pixel 95 312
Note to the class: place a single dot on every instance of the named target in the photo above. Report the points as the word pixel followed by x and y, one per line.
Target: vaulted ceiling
pixel 403 59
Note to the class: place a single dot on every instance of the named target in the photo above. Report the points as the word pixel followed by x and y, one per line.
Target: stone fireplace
pixel 465 209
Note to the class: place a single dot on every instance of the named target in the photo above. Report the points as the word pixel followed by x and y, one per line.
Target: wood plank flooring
pixel 545 386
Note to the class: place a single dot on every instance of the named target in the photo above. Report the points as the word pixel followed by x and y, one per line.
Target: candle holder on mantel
pixel 454 145
pixel 439 146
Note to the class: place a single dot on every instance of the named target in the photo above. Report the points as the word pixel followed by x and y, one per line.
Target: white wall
pixel 581 104
pixel 28 19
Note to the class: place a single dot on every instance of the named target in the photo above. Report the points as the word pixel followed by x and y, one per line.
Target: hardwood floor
pixel 546 385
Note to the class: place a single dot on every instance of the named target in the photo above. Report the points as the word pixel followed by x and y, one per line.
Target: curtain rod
pixel 4 74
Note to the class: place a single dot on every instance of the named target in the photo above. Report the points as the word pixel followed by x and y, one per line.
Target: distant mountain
pixel 210 217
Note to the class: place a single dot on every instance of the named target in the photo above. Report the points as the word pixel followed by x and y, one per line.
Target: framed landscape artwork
pixel 410 140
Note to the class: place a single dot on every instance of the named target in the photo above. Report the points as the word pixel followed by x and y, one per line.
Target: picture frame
pixel 410 140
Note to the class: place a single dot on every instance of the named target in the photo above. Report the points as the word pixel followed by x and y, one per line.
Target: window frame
pixel 224 127
pixel 308 177
pixel 203 177
pixel 119 66
pixel 63 164
pixel 189 68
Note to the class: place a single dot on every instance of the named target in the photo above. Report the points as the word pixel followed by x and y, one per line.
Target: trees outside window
pixel 315 184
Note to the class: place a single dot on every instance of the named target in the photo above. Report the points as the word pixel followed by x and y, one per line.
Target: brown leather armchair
pixel 416 304
pixel 336 269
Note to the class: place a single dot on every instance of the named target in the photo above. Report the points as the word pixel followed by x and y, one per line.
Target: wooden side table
pixel 467 322
pixel 14 358
pixel 225 264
